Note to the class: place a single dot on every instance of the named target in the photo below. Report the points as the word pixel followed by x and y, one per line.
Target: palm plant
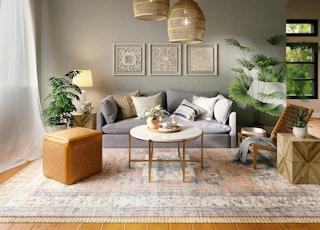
pixel 259 79
pixel 60 99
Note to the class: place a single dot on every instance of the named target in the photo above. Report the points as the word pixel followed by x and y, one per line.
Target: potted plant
pixel 259 80
pixel 154 115
pixel 300 123
pixel 60 104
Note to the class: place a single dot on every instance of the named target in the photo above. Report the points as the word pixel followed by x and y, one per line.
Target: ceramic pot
pixel 152 123
pixel 300 132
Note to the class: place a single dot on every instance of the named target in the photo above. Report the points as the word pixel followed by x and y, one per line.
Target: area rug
pixel 223 191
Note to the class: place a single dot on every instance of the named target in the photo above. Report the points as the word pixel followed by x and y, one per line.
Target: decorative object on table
pixel 154 115
pixel 84 80
pixel 259 80
pixel 201 59
pixel 186 22
pixel 60 99
pixel 300 123
pixel 129 59
pixel 151 10
pixel 165 59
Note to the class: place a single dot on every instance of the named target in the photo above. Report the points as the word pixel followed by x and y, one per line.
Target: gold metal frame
pixel 181 160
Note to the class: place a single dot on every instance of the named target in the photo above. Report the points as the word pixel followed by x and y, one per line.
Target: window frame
pixel 313 22
pixel 315 73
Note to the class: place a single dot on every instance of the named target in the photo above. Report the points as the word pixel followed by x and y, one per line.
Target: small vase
pixel 152 123
pixel 300 132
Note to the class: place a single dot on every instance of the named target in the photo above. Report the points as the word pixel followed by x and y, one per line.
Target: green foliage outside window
pixel 300 71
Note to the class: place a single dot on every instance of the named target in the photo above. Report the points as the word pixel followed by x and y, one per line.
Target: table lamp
pixel 84 80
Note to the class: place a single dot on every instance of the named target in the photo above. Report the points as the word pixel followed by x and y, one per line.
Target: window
pixel 302 28
pixel 302 61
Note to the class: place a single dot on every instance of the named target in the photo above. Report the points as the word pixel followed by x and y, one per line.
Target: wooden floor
pixel 65 226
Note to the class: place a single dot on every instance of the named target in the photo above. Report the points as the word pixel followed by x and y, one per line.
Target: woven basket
pixel 155 10
pixel 186 22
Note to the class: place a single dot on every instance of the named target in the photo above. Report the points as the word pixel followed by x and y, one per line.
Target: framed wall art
pixel 165 59
pixel 201 59
pixel 129 59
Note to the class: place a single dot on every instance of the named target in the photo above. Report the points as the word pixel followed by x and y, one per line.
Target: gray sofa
pixel 216 134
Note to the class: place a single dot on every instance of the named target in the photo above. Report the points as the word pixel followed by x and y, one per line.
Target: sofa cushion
pixel 123 126
pixel 141 103
pixel 207 104
pixel 175 97
pixel 222 109
pixel 188 111
pixel 109 109
pixel 163 97
pixel 126 105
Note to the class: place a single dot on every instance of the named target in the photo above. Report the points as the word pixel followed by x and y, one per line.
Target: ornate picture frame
pixel 164 59
pixel 201 59
pixel 129 59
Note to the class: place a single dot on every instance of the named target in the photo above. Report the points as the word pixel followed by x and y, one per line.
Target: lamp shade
pixel 84 79
pixel 186 22
pixel 151 10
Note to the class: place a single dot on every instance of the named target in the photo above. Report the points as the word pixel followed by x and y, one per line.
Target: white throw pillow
pixel 141 103
pixel 222 109
pixel 188 111
pixel 207 103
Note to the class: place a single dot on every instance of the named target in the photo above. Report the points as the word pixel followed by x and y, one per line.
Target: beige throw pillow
pixel 126 105
pixel 141 103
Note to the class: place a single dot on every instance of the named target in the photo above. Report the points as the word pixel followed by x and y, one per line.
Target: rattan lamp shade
pixel 186 23
pixel 151 10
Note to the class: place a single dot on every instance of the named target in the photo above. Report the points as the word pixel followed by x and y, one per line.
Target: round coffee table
pixel 184 134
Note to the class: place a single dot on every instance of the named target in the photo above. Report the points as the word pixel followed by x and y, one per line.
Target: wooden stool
pixel 72 154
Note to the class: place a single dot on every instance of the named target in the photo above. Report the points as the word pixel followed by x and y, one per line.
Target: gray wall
pixel 79 34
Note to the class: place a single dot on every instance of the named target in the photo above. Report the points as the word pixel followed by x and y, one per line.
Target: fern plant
pixel 60 104
pixel 251 73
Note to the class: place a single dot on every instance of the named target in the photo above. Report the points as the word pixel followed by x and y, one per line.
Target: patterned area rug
pixel 224 191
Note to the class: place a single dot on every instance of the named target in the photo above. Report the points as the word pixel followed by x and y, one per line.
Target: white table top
pixel 186 133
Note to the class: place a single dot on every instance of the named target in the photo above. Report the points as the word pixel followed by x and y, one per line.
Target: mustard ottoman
pixel 72 154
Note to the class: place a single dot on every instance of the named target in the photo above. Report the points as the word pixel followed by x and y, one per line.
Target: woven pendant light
pixel 186 22
pixel 151 10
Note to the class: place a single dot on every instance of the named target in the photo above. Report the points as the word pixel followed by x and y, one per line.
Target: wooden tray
pixel 162 130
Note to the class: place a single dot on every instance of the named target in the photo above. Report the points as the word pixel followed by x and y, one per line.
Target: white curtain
pixel 21 127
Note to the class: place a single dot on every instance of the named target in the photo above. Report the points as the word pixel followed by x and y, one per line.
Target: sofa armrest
pixel 100 121
pixel 233 125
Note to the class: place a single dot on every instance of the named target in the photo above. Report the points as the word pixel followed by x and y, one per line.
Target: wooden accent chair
pixel 282 126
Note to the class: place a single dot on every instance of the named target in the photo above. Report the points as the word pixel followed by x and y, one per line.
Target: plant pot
pixel 152 123
pixel 57 127
pixel 300 132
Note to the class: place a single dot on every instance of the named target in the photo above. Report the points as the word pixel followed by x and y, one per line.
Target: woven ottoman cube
pixel 72 154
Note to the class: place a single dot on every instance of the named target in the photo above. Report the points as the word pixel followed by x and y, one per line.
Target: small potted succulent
pixel 300 123
pixel 154 115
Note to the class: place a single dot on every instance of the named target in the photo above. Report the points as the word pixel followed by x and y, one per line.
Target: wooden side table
pixel 298 159
pixel 84 120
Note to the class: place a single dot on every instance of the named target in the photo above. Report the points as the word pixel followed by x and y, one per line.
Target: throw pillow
pixel 126 105
pixel 109 109
pixel 222 109
pixel 141 103
pixel 207 103
pixel 188 111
